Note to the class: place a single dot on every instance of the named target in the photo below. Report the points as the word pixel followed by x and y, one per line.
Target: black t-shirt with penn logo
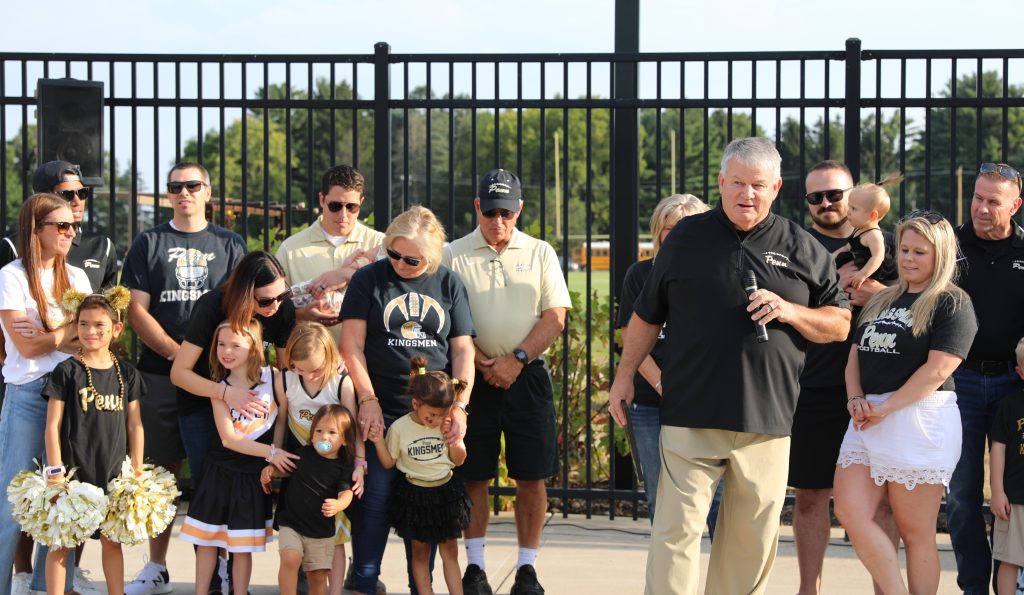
pixel 716 373
pixel 406 317
pixel 889 353
pixel 992 273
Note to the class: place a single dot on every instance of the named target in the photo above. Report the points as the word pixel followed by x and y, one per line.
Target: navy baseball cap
pixel 51 173
pixel 499 189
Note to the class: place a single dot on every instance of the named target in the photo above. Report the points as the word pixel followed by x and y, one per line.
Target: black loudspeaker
pixel 71 125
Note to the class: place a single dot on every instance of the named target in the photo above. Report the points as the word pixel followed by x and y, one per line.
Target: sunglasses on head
pixel 192 185
pixel 1003 170
pixel 62 226
pixel 266 302
pixel 929 216
pixel 351 207
pixel 413 262
pixel 69 195
pixel 815 198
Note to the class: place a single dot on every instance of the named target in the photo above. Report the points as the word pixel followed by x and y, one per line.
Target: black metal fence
pixel 578 128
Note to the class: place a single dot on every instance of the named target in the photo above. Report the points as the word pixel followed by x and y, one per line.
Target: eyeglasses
pixel 351 207
pixel 930 216
pixel 69 195
pixel 409 260
pixel 192 185
pixel 815 198
pixel 1002 169
pixel 505 214
pixel 266 302
pixel 498 264
pixel 62 226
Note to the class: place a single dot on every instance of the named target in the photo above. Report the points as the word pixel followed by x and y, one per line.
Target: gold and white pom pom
pixel 56 514
pixel 141 504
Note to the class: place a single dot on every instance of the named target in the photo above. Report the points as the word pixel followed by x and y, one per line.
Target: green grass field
pixel 600 281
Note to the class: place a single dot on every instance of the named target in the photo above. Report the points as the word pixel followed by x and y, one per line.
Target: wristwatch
pixel 461 405
pixel 520 355
pixel 54 471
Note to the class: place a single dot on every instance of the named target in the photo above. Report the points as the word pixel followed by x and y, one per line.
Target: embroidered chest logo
pixel 876 341
pixel 523 267
pixel 1017 265
pixel 425 449
pixel 416 318
pixel 776 259
pixel 90 263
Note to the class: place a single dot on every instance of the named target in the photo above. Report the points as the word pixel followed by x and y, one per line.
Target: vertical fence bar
pixel 266 158
pixel 851 154
pixel 405 137
pixel 381 135
pixel 429 142
pixel 952 140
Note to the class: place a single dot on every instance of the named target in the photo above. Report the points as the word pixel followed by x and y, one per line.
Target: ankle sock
pixel 475 551
pixel 526 556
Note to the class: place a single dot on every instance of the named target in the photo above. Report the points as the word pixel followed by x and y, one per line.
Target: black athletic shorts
pixel 819 425
pixel 525 414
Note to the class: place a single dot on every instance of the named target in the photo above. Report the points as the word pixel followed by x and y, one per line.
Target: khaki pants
pixel 755 467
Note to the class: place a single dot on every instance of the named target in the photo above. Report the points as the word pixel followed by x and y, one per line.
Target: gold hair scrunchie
pixel 422 371
pixel 455 381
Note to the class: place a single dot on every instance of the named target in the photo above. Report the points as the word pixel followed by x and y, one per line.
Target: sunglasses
pixel 351 207
pixel 192 185
pixel 1004 170
pixel 266 302
pixel 413 262
pixel 62 226
pixel 69 195
pixel 815 198
pixel 929 216
pixel 505 214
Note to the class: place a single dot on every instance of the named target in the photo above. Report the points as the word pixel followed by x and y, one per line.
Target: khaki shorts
pixel 317 553
pixel 1008 537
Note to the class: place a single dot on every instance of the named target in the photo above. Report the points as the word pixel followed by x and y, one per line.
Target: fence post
pixel 626 145
pixel 381 136
pixel 852 116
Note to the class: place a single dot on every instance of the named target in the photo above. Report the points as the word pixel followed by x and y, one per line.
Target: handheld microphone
pixel 750 286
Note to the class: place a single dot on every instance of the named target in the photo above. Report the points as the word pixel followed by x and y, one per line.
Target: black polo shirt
pixel 992 273
pixel 93 253
pixel 716 373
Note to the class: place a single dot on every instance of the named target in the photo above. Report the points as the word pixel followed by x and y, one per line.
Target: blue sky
pixel 261 26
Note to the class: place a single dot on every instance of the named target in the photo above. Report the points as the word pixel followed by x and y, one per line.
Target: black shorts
pixel 525 414
pixel 819 425
pixel 159 409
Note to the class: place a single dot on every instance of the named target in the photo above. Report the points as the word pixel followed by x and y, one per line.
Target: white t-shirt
pixel 302 406
pixel 15 295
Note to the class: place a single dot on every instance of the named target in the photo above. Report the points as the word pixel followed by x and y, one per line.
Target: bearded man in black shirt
pixel 728 400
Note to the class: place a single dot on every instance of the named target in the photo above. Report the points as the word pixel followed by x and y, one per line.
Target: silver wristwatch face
pixel 520 355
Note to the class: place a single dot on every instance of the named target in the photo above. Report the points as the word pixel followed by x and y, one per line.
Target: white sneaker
pixel 20 583
pixel 84 586
pixel 153 579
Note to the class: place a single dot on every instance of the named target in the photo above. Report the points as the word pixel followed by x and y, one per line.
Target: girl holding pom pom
pixel 229 509
pixel 429 504
pixel 92 418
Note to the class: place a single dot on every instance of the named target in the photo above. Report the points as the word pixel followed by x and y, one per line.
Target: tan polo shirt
pixel 308 254
pixel 508 291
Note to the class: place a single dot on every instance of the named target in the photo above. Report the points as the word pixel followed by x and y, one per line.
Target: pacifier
pixel 324 446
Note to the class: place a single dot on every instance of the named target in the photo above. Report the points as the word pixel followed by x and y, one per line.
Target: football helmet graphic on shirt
pixel 414 319
pixel 191 269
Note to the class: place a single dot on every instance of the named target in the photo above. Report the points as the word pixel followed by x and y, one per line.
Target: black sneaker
pixel 474 582
pixel 526 582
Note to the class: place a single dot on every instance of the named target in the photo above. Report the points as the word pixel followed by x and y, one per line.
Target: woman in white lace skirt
pixel 904 435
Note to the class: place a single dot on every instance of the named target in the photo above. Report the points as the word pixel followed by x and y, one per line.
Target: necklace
pixel 117 369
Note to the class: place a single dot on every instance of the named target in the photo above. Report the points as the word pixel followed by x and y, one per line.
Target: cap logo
pixel 499 188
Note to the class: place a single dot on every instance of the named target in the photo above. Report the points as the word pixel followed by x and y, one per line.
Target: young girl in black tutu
pixel 428 504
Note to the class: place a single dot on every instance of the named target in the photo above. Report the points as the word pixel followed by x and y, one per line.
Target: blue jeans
pixel 197 432
pixel 646 422
pixel 371 535
pixel 978 397
pixel 21 440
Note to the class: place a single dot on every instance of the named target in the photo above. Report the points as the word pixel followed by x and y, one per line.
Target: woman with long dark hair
pixel 39 334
